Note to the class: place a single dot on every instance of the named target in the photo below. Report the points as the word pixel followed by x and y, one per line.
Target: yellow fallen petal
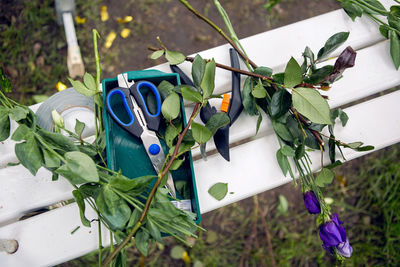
pixel 60 86
pixel 186 258
pixel 104 13
pixel 125 20
pixel 125 33
pixel 110 39
pixel 80 20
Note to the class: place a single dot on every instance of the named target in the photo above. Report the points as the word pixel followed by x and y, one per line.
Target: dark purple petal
pixel 311 202
pixel 332 234
pixel 345 249
pixel 335 218
pixel 345 60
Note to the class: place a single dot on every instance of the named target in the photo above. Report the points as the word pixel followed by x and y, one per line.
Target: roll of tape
pixel 71 105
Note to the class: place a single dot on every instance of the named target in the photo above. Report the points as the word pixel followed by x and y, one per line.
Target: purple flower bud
pixel 345 60
pixel 311 202
pixel 333 236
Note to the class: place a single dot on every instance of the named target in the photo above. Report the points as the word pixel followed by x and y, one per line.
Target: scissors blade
pixel 123 81
pixel 150 138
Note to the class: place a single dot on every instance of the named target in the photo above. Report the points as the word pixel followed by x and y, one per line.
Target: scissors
pixel 136 118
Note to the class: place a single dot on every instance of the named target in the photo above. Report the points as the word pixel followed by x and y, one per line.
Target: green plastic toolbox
pixel 125 152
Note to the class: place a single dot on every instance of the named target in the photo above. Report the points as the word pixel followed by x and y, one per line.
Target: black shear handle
pixel 235 105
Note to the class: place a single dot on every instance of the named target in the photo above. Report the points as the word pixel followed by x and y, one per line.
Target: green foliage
pixel 332 43
pixel 200 133
pixel 157 54
pixel 171 107
pixel 207 83
pixel 311 104
pixel 217 121
pixel 280 103
pixel 82 88
pixel 78 168
pixel 198 69
pixel 29 154
pixel 293 74
pixel 174 58
pixel 324 178
pixel 4 123
pixel 248 100
pixel 189 93
pixel 218 190
pixel 395 48
pixel 81 204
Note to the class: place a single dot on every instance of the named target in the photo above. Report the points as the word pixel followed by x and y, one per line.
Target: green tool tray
pixel 125 152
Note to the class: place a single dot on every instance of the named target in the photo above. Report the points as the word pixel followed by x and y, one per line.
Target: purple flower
pixel 333 236
pixel 311 202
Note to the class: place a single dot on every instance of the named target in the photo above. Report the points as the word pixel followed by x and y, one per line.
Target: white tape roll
pixel 71 105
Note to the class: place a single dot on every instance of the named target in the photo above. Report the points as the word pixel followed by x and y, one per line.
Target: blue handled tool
pixel 128 107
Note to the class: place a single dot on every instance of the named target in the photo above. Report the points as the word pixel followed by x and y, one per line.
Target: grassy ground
pixel 365 193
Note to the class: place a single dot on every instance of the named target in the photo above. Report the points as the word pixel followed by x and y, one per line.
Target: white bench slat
pixel 46 240
pixel 363 32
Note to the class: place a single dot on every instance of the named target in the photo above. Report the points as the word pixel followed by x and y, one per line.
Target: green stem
pixel 378 21
pixel 97 109
pixel 221 32
pixel 100 241
pixel 362 3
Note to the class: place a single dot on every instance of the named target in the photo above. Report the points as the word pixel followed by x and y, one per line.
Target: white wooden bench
pixel 46 239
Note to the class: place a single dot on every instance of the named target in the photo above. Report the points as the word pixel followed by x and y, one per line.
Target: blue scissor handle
pixel 119 105
pixel 153 120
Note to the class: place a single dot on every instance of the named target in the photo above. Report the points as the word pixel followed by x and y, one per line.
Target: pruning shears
pixel 233 109
pixel 127 106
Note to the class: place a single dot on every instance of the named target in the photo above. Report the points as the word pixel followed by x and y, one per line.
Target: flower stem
pixel 221 32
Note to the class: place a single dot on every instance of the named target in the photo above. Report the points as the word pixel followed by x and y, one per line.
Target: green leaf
pixel 311 104
pixel 22 133
pixel 325 177
pixel 18 113
pixel 293 73
pixel 200 133
pixel 177 252
pixel 282 131
pixel 176 164
pixel 78 168
pixel 259 91
pixel 4 124
pixel 365 148
pixel 81 204
pixel 171 133
pixel 300 152
pixel 287 151
pixel 207 83
pixel 81 88
pixel 218 190
pixel 248 100
pixel 171 107
pixel 217 121
pixel 259 120
pixel 134 218
pixel 332 149
pixel 395 49
pixel 135 186
pixel 311 141
pixel 283 205
pixel 114 209
pixel 265 71
pixel 198 69
pixel 332 43
pixel 79 126
pixel 354 145
pixel 190 94
pixel 352 10
pixel 29 154
pixel 280 103
pixel 165 88
pixel 157 54
pixel 174 57
pixel 89 82
pixel 279 77
pixel 343 118
pixel 50 160
pixel 320 74
pixel 5 83
pixel 375 4
pixel 142 241
pixel 58 141
pixel 282 161
pixel 154 231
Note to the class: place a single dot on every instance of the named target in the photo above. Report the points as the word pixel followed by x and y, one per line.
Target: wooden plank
pixel 46 239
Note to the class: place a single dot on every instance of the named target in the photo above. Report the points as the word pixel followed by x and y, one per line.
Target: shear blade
pixel 221 140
